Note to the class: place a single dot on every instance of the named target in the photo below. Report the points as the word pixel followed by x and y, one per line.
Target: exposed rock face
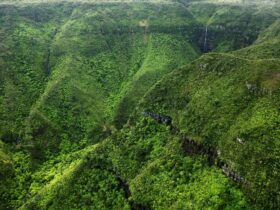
pixel 162 119
pixel 191 147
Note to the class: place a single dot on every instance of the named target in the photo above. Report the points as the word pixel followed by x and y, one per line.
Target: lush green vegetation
pixel 76 77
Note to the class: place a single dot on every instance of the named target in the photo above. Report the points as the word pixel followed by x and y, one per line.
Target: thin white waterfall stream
pixel 205 40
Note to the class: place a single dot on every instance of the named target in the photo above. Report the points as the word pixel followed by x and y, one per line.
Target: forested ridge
pixel 163 104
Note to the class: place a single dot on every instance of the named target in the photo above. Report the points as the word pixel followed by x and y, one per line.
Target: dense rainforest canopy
pixel 160 104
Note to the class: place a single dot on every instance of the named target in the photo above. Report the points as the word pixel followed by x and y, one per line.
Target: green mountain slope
pixel 230 104
pixel 80 84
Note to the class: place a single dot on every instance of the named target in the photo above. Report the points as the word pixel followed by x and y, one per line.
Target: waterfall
pixel 205 48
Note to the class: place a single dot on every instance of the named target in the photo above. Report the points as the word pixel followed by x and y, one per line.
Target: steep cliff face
pixel 230 104
pixel 76 77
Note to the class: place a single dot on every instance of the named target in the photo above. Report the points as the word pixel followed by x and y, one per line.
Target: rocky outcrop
pixel 162 119
pixel 192 147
